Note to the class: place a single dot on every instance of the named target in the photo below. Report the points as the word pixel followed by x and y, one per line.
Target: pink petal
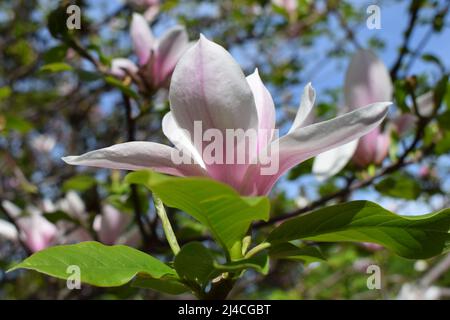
pixel 112 224
pixel 367 80
pixel 38 233
pixel 367 148
pixel 170 49
pixel 142 38
pixel 136 155
pixel 208 87
pixel 265 109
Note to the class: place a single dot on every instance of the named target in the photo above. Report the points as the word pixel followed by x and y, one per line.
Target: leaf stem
pixel 258 248
pixel 167 227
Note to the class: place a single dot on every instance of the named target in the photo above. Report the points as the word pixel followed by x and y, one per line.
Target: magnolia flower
pixel 111 224
pixel 367 81
pixel 157 57
pixel 35 231
pixel 209 87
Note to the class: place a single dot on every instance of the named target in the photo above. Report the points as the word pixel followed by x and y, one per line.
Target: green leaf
pixel 415 237
pixel 56 67
pixel 79 183
pixel 195 263
pixel 166 285
pixel 399 185
pixel 100 265
pixel 290 251
pixel 5 92
pixel 214 204
pixel 18 124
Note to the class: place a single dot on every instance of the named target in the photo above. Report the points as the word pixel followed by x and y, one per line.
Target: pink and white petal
pixel 309 141
pixel 367 147
pixel 120 67
pixel 112 224
pixel 142 38
pixel 265 109
pixel 180 138
pixel 208 86
pixel 171 47
pixel 136 155
pixel 306 105
pixel 384 140
pixel 367 80
pixel 329 163
pixel 37 232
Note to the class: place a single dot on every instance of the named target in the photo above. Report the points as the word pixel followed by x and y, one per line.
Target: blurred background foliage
pixel 57 99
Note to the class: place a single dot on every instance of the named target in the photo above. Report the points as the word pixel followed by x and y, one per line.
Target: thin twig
pixel 131 129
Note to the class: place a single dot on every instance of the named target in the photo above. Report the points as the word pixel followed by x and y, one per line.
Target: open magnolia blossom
pixel 367 81
pixel 209 87
pixel 157 57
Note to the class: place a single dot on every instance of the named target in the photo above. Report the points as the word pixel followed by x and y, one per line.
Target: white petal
pixel 264 107
pixel 180 138
pixel 136 155
pixel 329 163
pixel 8 230
pixel 306 105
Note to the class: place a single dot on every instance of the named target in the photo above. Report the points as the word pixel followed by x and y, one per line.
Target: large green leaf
pixel 100 265
pixel 214 204
pixel 415 237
